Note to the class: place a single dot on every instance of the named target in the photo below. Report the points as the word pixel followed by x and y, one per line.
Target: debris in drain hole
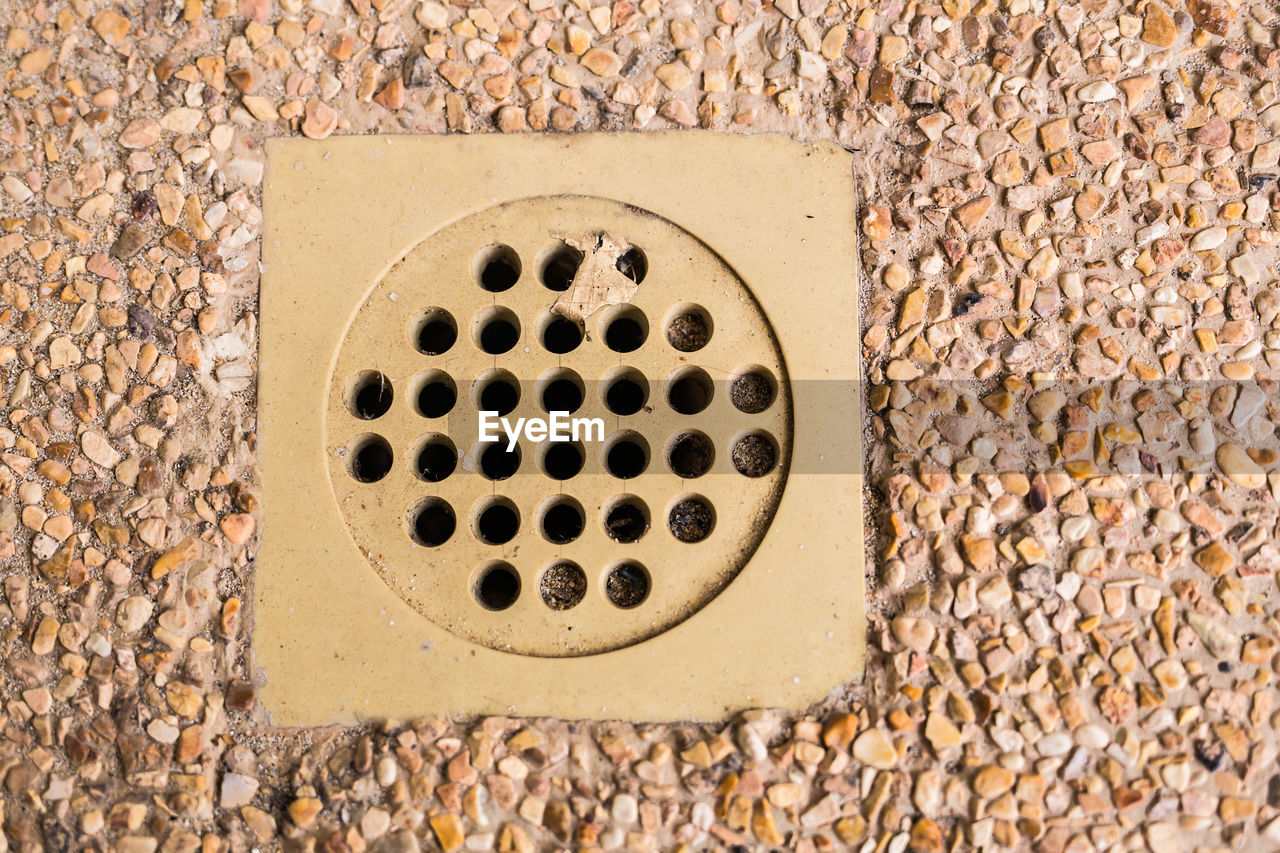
pixel 598 281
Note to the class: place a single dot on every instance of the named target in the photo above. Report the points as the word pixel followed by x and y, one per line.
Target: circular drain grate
pixel 570 547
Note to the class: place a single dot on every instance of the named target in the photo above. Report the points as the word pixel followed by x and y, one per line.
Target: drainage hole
pixel 433 522
pixel 562 391
pixel 754 454
pixel 626 455
pixel 691 519
pixel 690 390
pixel 633 264
pixel 497 587
pixel 626 392
pixel 753 390
pixel 436 395
pixel 563 585
pixel 690 455
pixel 563 460
pixel 627 584
pixel 497 330
pixel 627 520
pixel 689 328
pixel 562 521
pixel 497 522
pixel 370 458
pixel 437 459
pixel 497 391
pixel 498 463
pixel 625 329
pixel 498 268
pixel 560 334
pixel 560 267
pixel 437 332
pixel 369 395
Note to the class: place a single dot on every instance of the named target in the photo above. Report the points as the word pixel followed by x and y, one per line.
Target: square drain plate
pixel 560 426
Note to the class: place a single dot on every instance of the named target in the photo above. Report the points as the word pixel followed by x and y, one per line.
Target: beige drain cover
pixel 547 431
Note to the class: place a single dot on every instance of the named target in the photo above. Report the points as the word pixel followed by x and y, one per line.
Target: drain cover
pixel 560 432
pixel 558 547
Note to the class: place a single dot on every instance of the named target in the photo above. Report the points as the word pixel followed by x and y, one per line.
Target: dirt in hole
pixel 688 332
pixel 626 522
pixel 691 455
pixel 627 585
pixel 691 520
pixel 751 393
pixel 754 456
pixel 563 586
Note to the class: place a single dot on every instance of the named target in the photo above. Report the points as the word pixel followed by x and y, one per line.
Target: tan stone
pixel 237 527
pixel 1239 467
pixel 602 62
pixel 448 830
pixel 1055 134
pixel 111 26
pixel 321 119
pixel 971 213
pixel 1158 27
pixel 991 781
pixel 877 223
pixel 674 75
pixel 874 748
pixel 913 632
pixel 941 732
pixel 1214 559
pixel 304 810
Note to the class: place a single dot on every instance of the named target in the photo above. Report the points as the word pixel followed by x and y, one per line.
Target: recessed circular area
pixel 369 395
pixel 691 519
pixel 753 389
pixel 497 586
pixel 754 454
pixel 497 268
pixel 562 460
pixel 496 330
pixel 626 519
pixel 436 395
pixel 369 458
pixel 434 332
pixel 625 391
pixel 633 264
pixel 496 520
pixel 626 454
pixel 690 454
pixel 559 334
pixel 559 267
pixel 562 585
pixel 561 520
pixel 689 327
pixel 496 391
pixel 432 522
pixel 437 458
pixel 470 321
pixel 561 390
pixel 627 584
pixel 624 328
pixel 496 462
pixel 689 390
